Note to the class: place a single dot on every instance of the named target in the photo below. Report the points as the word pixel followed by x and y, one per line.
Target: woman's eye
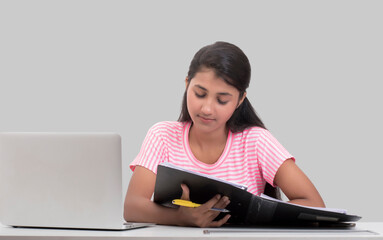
pixel 221 102
pixel 200 95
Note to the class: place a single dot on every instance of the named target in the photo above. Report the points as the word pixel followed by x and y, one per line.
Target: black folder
pixel 245 207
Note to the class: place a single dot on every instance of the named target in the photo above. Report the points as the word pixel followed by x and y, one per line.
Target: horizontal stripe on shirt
pixel 251 157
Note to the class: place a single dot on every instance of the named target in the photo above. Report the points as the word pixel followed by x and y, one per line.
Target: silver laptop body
pixel 62 180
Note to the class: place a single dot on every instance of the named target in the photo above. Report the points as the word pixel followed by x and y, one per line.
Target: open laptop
pixel 62 180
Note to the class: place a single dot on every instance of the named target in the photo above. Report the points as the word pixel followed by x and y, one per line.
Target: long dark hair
pixel 231 64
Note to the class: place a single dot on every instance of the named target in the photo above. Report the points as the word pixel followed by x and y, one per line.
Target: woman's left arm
pixel 297 186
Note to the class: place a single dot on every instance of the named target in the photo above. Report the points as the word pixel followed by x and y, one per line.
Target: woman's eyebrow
pixel 199 86
pixel 220 93
pixel 224 94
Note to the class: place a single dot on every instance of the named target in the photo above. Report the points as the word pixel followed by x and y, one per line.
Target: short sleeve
pixel 271 155
pixel 153 150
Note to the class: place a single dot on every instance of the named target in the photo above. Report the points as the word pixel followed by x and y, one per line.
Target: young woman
pixel 218 133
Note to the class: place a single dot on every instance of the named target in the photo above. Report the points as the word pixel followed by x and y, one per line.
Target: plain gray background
pixel 120 66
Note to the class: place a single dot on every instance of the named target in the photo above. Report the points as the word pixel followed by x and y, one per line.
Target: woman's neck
pixel 208 139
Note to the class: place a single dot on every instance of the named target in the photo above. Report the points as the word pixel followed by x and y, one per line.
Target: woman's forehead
pixel 210 81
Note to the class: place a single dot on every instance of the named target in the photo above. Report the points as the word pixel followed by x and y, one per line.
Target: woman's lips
pixel 205 119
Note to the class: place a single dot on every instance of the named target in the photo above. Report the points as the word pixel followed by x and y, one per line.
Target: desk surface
pixel 365 230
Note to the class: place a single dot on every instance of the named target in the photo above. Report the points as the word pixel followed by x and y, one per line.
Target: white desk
pixel 363 230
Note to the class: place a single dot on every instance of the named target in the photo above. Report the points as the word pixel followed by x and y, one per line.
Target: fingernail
pixel 218 196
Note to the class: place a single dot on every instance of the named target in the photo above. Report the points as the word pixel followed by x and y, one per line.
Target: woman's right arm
pixel 138 206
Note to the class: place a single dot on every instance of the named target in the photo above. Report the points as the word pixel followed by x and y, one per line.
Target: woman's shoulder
pixel 167 126
pixel 253 133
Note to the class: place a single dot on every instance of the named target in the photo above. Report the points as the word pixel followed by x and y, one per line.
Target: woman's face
pixel 211 101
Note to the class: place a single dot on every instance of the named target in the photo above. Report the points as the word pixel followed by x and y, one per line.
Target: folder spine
pixel 260 211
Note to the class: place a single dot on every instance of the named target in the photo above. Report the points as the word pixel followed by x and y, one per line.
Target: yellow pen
pixel 186 203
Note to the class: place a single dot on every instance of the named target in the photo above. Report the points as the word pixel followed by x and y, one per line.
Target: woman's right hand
pixel 202 216
pixel 140 208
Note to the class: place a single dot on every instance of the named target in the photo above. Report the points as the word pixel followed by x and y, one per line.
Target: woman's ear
pixel 242 99
pixel 186 82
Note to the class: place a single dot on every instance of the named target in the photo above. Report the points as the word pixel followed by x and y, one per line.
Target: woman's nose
pixel 207 107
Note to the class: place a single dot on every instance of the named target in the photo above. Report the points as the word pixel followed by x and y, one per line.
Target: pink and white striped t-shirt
pixel 251 157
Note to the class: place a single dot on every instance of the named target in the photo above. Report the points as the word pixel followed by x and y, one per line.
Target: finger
pixel 185 192
pixel 222 203
pixel 221 221
pixel 209 204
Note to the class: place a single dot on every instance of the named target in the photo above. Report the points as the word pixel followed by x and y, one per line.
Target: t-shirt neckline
pixel 197 162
